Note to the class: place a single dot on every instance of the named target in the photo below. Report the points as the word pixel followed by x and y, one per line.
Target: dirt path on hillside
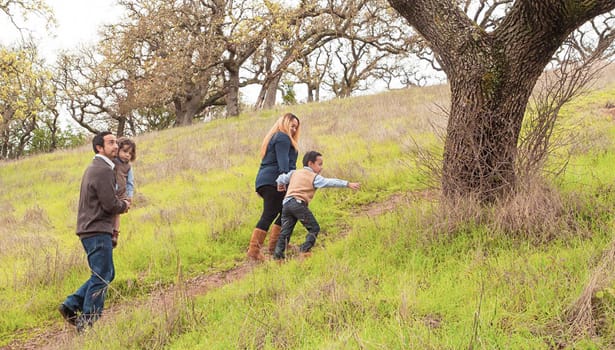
pixel 60 336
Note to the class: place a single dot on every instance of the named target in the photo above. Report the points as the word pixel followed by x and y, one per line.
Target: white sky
pixel 78 22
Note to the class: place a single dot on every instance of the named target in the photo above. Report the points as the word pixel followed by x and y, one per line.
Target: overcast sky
pixel 77 23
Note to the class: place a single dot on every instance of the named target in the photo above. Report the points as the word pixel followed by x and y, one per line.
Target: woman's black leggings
pixel 272 206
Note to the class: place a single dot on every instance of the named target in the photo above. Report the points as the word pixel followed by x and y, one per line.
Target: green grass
pixel 382 288
pixel 388 281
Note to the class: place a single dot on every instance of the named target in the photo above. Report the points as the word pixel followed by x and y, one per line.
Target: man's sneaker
pixel 69 315
pixel 304 255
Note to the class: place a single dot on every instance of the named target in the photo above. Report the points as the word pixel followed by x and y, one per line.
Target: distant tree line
pixel 169 63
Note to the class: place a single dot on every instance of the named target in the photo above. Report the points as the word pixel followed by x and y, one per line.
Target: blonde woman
pixel 279 153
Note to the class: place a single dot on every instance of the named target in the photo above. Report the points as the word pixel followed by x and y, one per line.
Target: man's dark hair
pixel 310 157
pixel 99 140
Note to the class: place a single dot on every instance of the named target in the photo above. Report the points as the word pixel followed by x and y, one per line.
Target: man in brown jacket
pixel 98 204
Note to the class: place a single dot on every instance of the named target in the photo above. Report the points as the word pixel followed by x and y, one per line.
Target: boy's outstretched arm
pixel 322 182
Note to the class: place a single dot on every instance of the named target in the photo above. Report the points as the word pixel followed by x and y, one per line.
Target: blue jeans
pixel 90 297
pixel 292 212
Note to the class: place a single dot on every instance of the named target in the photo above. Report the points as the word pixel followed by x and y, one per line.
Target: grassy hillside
pixel 393 277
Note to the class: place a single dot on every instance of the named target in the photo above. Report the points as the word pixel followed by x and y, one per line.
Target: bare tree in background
pixel 311 70
pixel 492 61
pixel 350 42
pixel 247 24
pixel 299 32
pixel 177 56
pixel 91 90
pixel 357 63
pixel 369 50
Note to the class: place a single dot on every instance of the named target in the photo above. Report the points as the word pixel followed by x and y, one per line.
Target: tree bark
pixel 491 76
pixel 310 93
pixel 187 108
pixel 271 92
pixel 121 126
pixel 313 92
pixel 232 90
pixel 268 92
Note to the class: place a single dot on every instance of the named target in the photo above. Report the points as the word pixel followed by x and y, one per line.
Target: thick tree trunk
pixel 491 77
pixel 268 93
pixel 232 92
pixel 272 92
pixel 490 88
pixel 310 93
pixel 186 109
pixel 313 92
pixel 482 132
pixel 121 126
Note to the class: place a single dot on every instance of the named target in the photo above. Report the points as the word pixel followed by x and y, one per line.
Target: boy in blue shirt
pixel 302 185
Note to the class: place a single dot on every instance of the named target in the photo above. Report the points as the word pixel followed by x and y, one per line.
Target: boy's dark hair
pixel 310 157
pixel 123 141
pixel 99 140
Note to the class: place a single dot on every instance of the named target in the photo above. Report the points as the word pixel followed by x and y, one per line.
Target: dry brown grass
pixel 51 265
pixel 606 78
pixel 584 314
pixel 36 217
pixel 537 212
pixel 38 258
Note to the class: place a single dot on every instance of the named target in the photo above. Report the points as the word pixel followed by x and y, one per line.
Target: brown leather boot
pixel 273 237
pixel 256 242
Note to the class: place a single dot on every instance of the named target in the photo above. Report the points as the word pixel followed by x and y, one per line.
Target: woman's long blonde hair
pixel 283 125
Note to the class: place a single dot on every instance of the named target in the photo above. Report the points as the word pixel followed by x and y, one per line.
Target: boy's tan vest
pixel 301 185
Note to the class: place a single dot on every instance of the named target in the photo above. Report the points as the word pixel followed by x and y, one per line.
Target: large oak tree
pixel 492 71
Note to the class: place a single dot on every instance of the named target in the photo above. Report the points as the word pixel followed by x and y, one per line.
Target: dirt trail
pixel 59 336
